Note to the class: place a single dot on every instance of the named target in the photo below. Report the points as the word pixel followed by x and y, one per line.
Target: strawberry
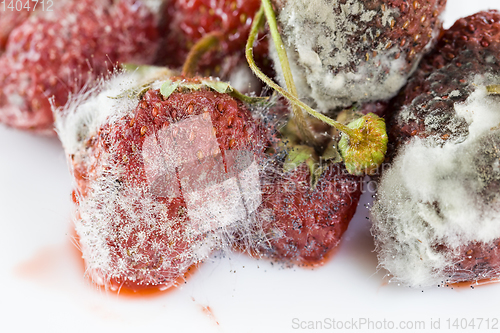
pixel 468 48
pixel 163 173
pixel 185 22
pixel 303 224
pixel 436 213
pixel 55 54
pixel 308 198
pixel 344 52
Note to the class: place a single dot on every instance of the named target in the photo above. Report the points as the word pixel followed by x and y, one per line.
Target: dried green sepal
pixel 226 88
pixel 248 99
pixel 331 154
pixel 168 87
pixel 147 76
pixel 219 86
pixel 298 153
pixel 347 116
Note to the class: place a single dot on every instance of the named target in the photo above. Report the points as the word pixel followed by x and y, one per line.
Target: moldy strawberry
pixel 355 51
pixel 308 199
pixel 164 170
pixel 311 183
pixel 435 218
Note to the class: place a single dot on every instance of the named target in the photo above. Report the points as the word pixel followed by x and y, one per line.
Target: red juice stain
pixel 471 284
pixel 208 311
pixel 38 266
pixel 139 291
pixel 50 263
pixel 386 280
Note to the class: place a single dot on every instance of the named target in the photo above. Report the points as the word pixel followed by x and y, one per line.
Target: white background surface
pixel 44 291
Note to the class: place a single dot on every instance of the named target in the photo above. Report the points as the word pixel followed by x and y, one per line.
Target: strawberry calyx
pixel 366 151
pixel 298 152
pixel 170 82
pixel 181 83
pixel 187 81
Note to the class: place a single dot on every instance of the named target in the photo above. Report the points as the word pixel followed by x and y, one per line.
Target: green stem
pixel 280 48
pixel 258 22
pixel 297 112
pixel 206 43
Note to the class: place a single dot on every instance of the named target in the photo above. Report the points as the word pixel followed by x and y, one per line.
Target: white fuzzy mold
pixel 323 39
pixel 437 199
pixel 150 232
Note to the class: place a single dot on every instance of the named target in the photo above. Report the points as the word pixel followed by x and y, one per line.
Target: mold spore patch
pixel 96 103
pixel 349 51
pixel 438 199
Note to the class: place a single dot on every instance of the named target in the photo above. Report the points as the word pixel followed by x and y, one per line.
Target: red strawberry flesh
pixel 186 21
pixel 8 21
pixel 305 224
